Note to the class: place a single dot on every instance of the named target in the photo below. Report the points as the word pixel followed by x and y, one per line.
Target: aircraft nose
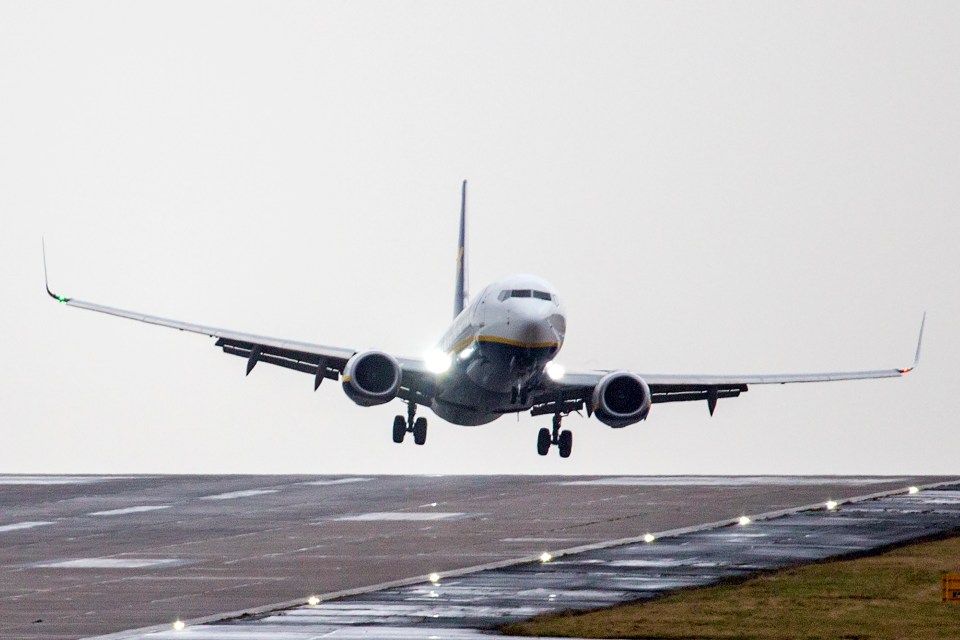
pixel 534 323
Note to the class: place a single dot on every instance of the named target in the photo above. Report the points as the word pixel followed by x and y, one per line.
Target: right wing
pixel 576 389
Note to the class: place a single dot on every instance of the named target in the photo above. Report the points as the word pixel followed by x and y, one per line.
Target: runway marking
pixel 233 495
pixel 402 515
pixel 55 480
pixel 324 483
pixel 126 510
pixel 111 563
pixel 666 563
pixel 542 539
pixel 202 633
pixel 22 525
pixel 722 481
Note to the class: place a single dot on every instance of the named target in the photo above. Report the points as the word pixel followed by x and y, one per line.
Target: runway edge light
pixel 832 505
pixel 179 625
pixel 313 601
pixel 649 537
pixel 434 578
pixel 913 490
pixel 545 557
pixel 744 520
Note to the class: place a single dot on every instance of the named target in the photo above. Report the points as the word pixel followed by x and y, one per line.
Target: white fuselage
pixel 499 346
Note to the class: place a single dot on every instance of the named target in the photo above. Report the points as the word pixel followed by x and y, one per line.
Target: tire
pixel 565 444
pixel 399 429
pixel 543 441
pixel 420 430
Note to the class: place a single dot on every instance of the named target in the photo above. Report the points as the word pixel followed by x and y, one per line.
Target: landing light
pixel 313 601
pixel 434 578
pixel 649 537
pixel 832 505
pixel 913 490
pixel 545 557
pixel 744 520
pixel 555 371
pixel 179 625
pixel 437 361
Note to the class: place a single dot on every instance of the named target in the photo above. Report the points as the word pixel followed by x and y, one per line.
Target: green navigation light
pixel 61 298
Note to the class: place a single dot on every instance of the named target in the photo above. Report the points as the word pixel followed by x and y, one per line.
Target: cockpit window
pixel 524 293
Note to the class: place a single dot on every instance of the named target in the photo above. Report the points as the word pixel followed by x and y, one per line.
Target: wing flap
pixel 295 360
pixel 692 393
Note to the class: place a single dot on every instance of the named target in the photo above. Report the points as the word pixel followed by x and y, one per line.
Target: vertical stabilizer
pixel 460 295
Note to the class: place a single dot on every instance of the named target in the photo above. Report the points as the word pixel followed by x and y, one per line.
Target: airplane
pixel 497 357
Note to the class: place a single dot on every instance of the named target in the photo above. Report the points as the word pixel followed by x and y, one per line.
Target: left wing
pixel 577 388
pixel 321 361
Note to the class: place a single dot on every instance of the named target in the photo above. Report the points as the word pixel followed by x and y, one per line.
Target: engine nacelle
pixel 371 378
pixel 621 398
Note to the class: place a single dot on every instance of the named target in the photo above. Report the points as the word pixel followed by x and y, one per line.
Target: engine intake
pixel 621 398
pixel 371 378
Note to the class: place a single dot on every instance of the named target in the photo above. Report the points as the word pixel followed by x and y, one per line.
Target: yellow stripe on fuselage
pixel 518 343
pixel 463 344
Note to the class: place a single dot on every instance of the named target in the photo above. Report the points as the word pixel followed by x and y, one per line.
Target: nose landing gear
pixel 411 424
pixel 563 439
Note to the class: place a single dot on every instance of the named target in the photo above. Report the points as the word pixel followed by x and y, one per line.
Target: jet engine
pixel 371 378
pixel 621 398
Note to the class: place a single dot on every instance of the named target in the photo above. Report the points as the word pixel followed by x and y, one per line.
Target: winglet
pixel 916 358
pixel 46 282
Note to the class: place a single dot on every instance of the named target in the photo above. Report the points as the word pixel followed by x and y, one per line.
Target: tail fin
pixel 460 295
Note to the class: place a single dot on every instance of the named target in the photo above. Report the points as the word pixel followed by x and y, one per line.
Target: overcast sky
pixel 747 187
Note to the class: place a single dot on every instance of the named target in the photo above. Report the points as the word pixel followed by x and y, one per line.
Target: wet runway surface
pixel 85 556
pixel 471 606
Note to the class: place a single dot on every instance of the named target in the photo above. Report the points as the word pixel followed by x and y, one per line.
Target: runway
pixel 473 606
pixel 85 556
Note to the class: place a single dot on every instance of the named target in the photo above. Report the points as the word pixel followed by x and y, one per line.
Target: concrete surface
pixel 83 556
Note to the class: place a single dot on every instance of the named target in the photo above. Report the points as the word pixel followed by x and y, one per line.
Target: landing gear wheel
pixel 399 429
pixel 543 441
pixel 420 430
pixel 565 444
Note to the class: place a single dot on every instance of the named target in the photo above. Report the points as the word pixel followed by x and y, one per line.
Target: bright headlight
pixel 437 361
pixel 555 371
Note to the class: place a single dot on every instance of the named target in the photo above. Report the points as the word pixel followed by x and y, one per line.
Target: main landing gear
pixel 411 424
pixel 563 439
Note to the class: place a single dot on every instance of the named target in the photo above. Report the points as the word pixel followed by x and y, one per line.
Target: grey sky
pixel 714 188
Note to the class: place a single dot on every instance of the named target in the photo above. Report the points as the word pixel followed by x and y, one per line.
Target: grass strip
pixel 892 595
